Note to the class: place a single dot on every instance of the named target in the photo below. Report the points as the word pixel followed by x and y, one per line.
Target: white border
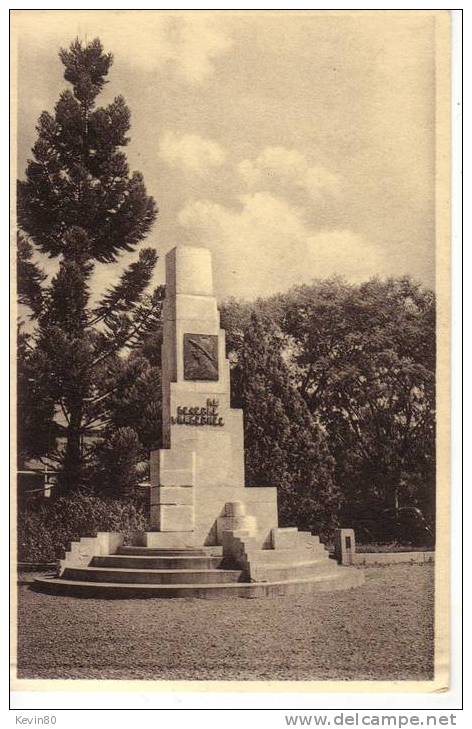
pixel 285 702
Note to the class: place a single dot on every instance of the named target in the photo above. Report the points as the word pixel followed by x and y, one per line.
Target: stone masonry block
pixel 176 518
pixel 189 271
pixel 176 477
pixel 180 495
pixel 231 523
pixel 169 540
pixel 81 552
pixel 284 538
pixel 154 466
pixel 200 308
pixel 155 514
pixel 229 536
pixel 177 458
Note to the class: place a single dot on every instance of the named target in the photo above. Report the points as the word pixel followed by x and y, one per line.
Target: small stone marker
pixel 345 546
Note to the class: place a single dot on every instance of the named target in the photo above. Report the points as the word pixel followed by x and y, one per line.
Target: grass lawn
pixel 380 631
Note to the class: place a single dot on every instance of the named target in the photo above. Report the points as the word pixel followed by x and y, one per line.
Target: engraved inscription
pixel 197 415
pixel 200 357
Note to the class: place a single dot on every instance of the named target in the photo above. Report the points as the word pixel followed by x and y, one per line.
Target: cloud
pixel 187 43
pixel 191 152
pixel 278 167
pixel 266 245
pixel 199 42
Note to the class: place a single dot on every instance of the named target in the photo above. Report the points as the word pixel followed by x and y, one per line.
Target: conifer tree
pixel 80 204
pixel 285 447
pixel 79 176
pixel 36 430
pixel 117 457
pixel 29 276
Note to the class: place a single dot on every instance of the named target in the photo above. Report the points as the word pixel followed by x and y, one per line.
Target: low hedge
pixel 392 548
pixel 45 531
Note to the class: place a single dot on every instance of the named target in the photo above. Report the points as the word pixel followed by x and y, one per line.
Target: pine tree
pixel 117 457
pixel 36 430
pixel 80 204
pixel 285 447
pixel 79 175
pixel 29 276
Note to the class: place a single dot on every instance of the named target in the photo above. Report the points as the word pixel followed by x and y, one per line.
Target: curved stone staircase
pixel 204 572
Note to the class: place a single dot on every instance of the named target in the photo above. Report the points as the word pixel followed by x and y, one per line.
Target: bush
pixel 44 533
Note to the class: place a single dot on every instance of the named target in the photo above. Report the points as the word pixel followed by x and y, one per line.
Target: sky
pixel 294 145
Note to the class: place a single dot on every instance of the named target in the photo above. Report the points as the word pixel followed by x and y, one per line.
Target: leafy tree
pixel 80 204
pixel 285 446
pixel 364 359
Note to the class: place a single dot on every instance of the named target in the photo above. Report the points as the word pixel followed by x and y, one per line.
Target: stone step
pixel 161 552
pixel 308 537
pixel 151 576
pixel 299 570
pixel 344 578
pixel 287 556
pixel 157 562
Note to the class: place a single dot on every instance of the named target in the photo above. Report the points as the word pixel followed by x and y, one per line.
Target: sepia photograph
pixel 231 369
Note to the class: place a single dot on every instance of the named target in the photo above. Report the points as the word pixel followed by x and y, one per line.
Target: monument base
pixel 160 564
pixel 258 505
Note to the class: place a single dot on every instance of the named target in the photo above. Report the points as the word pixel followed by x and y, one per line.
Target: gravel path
pixel 380 631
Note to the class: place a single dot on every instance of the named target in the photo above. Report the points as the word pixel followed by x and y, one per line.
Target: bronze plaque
pixel 201 357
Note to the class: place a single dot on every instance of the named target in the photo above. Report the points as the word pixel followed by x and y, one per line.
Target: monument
pixel 200 469
pixel 211 534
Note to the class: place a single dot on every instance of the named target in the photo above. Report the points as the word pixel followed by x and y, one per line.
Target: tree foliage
pixel 285 446
pixel 117 458
pixel 365 362
pixel 29 277
pixel 362 360
pixel 36 430
pixel 79 176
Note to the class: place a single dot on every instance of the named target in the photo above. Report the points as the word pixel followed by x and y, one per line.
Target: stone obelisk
pixel 200 468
